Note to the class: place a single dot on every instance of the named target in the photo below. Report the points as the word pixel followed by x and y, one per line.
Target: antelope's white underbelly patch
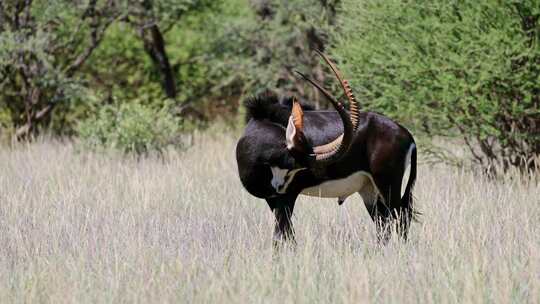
pixel 340 188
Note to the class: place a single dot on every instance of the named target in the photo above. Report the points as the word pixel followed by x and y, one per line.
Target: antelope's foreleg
pixel 283 207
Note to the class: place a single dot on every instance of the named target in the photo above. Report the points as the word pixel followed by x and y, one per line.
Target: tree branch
pixel 96 35
pixel 3 16
pixel 95 38
pixel 3 75
pixel 74 34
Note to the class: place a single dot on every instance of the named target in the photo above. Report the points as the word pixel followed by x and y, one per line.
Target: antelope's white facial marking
pixel 278 177
pixel 282 178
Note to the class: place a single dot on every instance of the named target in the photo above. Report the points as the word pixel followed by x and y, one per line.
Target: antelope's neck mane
pixel 272 107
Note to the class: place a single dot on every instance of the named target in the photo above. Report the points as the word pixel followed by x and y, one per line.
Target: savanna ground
pixel 83 227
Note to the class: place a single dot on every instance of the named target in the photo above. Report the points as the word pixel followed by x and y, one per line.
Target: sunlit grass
pixel 84 227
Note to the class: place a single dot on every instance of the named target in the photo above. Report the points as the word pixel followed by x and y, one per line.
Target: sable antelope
pixel 285 152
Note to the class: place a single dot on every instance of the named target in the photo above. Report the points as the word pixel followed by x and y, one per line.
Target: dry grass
pixel 81 227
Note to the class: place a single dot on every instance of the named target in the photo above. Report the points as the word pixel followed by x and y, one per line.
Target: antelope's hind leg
pixel 389 212
pixel 378 211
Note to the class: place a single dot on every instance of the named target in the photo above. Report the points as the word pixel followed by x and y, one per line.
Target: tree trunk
pixel 154 45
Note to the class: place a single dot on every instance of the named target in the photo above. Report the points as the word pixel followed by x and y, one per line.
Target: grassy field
pixel 91 228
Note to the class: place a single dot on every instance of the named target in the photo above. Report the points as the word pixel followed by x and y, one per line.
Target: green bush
pixel 467 69
pixel 131 128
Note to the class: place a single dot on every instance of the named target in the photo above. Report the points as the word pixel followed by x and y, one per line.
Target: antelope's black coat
pixel 379 148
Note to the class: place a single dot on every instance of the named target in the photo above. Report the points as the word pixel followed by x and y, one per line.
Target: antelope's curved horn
pixel 353 105
pixel 335 149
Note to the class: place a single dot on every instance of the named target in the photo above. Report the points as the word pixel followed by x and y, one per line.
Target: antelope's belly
pixel 340 187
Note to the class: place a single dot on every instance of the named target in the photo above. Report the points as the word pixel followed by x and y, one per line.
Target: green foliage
pixel 218 55
pixel 42 46
pixel 131 128
pixel 66 54
pixel 469 69
pixel 462 69
pixel 56 54
pixel 272 40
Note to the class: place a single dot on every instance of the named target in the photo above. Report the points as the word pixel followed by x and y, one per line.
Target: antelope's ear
pixel 290 134
pixel 295 127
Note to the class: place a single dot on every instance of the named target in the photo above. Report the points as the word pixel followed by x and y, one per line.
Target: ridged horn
pixel 353 105
pixel 335 149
